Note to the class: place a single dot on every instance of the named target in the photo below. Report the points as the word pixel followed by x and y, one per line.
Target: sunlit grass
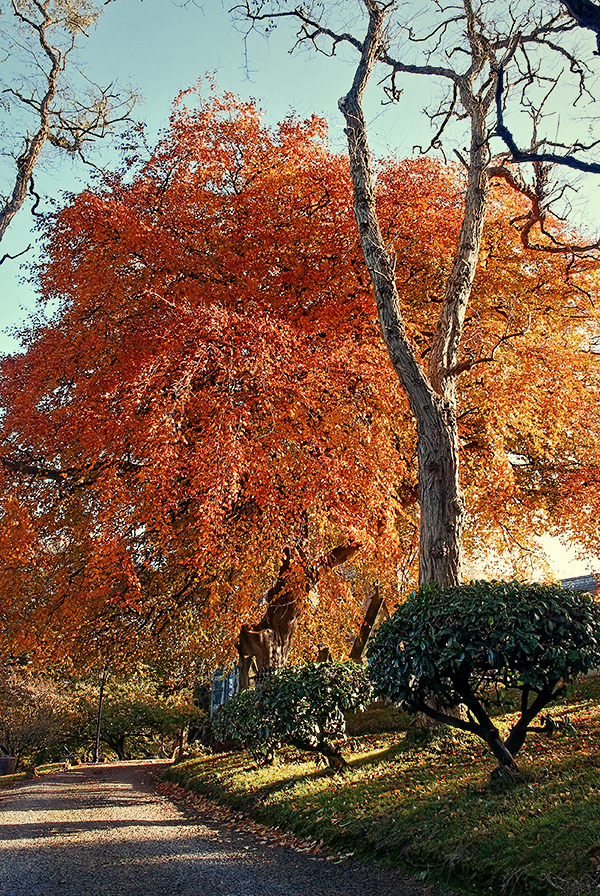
pixel 431 807
pixel 8 780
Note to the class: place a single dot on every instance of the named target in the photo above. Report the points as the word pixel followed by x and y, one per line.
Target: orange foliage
pixel 213 376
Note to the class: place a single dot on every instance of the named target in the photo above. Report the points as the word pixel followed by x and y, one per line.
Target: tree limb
pixel 520 155
pixel 587 15
pixel 69 132
pixel 6 255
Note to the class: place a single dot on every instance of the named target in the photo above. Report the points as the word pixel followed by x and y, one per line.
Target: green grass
pixel 376 721
pixel 430 808
pixel 8 780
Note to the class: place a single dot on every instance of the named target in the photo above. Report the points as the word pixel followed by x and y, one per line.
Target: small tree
pixel 448 647
pixel 302 706
pixel 36 715
pixel 136 717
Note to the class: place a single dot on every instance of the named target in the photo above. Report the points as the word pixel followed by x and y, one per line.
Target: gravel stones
pixel 102 831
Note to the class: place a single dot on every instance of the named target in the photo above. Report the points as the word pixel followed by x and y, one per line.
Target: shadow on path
pixel 100 831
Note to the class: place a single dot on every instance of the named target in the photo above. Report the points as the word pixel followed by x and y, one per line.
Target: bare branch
pixel 538 215
pixel 31 469
pixel 33 146
pixel 488 359
pixel 6 256
pixel 436 139
pixel 36 196
pixel 587 15
pixel 70 130
pixel 519 155
pixel 310 29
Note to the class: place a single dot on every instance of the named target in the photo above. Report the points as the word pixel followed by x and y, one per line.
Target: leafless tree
pixel 38 40
pixel 468 45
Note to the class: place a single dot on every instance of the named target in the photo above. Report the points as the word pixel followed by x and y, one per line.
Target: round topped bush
pixel 446 648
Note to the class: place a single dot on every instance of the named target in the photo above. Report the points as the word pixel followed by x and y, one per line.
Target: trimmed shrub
pixel 302 706
pixel 447 648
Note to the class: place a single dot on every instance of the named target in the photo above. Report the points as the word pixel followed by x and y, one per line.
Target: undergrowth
pixel 428 805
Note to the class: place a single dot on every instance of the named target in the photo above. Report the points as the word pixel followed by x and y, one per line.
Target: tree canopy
pixel 209 389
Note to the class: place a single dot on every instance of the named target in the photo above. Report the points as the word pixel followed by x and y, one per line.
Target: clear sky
pixel 161 48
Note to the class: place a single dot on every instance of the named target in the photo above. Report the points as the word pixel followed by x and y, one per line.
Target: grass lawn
pixel 430 807
pixel 7 780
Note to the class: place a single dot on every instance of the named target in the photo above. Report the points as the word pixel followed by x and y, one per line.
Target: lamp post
pixel 99 719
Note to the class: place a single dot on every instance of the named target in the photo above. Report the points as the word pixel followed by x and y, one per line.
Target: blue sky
pixel 161 48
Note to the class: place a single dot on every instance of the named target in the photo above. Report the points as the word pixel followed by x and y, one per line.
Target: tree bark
pixel 518 732
pixel 270 642
pixel 90 116
pixel 117 744
pixel 440 495
pixel 485 728
pixel 332 754
pixel 377 611
pixel 506 760
pixel 33 145
pixel 431 395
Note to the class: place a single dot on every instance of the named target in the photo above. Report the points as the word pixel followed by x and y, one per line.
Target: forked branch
pixel 537 215
pixel 68 131
pixel 520 155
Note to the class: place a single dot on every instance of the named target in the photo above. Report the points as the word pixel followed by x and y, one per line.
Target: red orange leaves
pixel 212 377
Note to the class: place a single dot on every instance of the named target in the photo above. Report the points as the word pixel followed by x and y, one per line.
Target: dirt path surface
pixel 101 831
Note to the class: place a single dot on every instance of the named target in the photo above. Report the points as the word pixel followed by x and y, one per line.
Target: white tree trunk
pixel 431 395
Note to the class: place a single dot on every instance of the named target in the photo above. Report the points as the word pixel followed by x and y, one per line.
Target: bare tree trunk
pixel 270 642
pixel 34 145
pixel 440 497
pixel 442 506
pixel 431 395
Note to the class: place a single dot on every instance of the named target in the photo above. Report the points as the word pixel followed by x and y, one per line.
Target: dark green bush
pixel 445 648
pixel 249 720
pixel 302 706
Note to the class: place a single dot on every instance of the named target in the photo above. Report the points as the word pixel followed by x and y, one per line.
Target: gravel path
pixel 101 831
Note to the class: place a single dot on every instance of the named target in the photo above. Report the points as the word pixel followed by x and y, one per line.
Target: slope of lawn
pixel 430 808
pixel 47 769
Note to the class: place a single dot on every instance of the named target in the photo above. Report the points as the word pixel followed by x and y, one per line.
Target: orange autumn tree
pixel 211 393
pixel 198 405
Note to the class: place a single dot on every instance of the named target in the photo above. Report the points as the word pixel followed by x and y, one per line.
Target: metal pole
pixel 100 698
